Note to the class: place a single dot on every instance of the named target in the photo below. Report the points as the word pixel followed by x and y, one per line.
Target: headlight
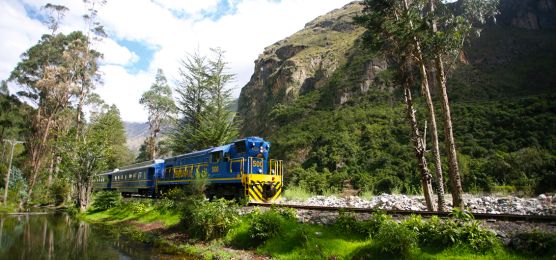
pixel 260 170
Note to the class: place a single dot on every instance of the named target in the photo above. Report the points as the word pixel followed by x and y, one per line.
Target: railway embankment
pixel 493 204
pixel 221 229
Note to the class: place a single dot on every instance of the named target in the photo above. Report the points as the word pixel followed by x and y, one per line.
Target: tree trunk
pixel 418 55
pixel 455 179
pixel 434 130
pixel 419 148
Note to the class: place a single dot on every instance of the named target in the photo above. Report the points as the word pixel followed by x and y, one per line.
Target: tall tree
pixel 160 106
pixel 48 72
pixel 425 90
pixel 447 40
pixel 390 29
pixel 94 31
pixel 101 147
pixel 193 93
pixel 203 104
pixel 218 126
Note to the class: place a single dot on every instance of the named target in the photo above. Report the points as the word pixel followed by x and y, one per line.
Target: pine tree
pixel 203 104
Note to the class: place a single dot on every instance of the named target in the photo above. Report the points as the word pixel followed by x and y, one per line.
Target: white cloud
pixel 114 53
pixel 190 6
pixel 18 32
pixel 243 34
pixel 124 90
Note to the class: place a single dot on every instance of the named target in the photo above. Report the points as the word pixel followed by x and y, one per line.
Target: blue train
pixel 238 169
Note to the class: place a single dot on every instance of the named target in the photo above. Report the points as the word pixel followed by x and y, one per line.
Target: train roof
pixel 135 166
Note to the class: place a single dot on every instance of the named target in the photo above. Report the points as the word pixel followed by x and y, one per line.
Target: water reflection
pixel 58 236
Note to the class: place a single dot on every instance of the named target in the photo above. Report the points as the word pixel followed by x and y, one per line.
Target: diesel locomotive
pixel 239 169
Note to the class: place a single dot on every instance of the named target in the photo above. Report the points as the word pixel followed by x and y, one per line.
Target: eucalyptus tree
pixel 160 106
pixel 390 29
pixel 447 35
pixel 47 74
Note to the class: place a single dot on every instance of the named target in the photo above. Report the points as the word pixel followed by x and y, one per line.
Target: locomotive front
pixel 261 177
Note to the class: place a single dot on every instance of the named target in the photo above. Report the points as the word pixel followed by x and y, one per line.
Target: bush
pixel 176 193
pixel 107 199
pixel 395 239
pixel 536 244
pixel 265 225
pixel 137 206
pixel 208 220
pixel 346 222
pixel 59 191
pixel 440 234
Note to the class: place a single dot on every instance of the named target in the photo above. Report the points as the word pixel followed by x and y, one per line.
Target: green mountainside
pixel 332 113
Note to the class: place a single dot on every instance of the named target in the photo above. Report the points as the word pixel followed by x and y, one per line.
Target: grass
pixel 286 239
pixel 297 193
pixel 122 214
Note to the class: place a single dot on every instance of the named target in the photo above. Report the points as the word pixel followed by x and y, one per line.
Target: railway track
pixel 483 216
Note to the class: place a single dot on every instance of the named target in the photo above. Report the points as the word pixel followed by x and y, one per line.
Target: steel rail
pixel 485 216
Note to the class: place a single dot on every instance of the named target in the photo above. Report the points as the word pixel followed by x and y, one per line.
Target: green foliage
pixel 209 220
pixel 105 200
pixel 160 106
pixel 203 103
pixel 346 221
pixel 463 232
pixel 137 206
pixel 198 186
pixel 293 192
pixel 394 239
pixel 59 191
pixel 265 225
pixel 367 144
pixel 176 193
pixel 535 244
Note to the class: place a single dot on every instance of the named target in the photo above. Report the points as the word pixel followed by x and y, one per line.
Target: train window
pixel 240 147
pixel 216 157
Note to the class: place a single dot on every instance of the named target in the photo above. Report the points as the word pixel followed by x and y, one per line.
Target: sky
pixel 144 35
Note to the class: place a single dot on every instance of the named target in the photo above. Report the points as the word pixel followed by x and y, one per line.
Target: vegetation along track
pixel 485 216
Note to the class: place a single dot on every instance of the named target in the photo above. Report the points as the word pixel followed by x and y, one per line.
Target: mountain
pixel 136 134
pixel 330 108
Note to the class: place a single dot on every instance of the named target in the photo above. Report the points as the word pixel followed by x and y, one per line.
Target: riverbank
pixel 216 230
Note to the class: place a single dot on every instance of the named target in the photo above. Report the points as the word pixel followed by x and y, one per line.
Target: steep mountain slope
pixel 136 134
pixel 329 107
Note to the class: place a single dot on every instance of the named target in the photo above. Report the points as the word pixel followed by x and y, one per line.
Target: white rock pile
pixel 541 205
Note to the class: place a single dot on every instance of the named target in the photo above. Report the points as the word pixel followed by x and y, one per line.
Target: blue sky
pixel 144 35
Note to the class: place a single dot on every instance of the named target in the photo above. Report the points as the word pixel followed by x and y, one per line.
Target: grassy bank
pixel 215 229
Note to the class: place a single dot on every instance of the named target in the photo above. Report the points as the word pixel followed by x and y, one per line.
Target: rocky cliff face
pixel 296 65
pixel 529 14
pixel 306 60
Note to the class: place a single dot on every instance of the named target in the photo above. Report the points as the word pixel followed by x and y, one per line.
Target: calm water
pixel 58 236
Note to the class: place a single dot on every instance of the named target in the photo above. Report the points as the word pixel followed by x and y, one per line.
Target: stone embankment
pixel 541 205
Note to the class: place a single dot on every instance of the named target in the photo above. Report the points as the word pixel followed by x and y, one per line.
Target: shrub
pixel 107 199
pixel 208 220
pixel 137 206
pixel 464 232
pixel 535 243
pixel 265 225
pixel 395 239
pixel 346 222
pixel 176 193
pixel 59 191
